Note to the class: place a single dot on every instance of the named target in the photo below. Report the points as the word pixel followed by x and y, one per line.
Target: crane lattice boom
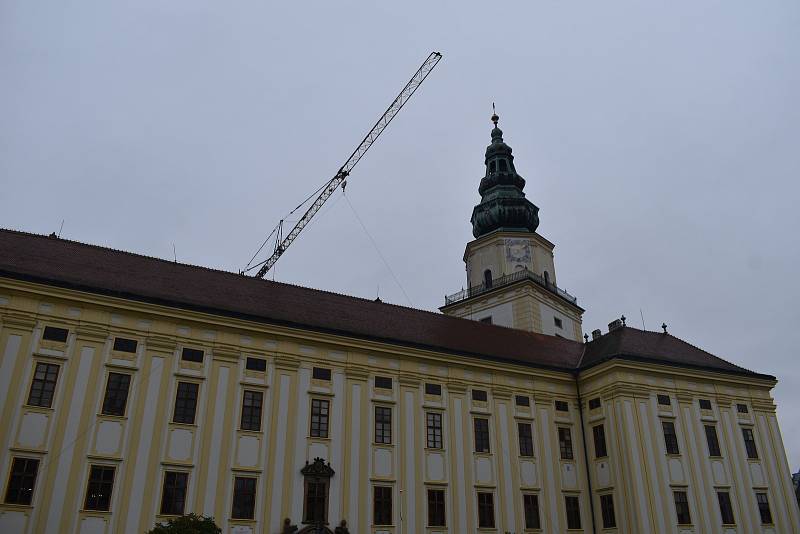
pixel 334 183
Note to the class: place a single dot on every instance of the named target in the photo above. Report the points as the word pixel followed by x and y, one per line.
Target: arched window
pixel 487 278
pixel 492 166
pixel 546 278
pixel 503 166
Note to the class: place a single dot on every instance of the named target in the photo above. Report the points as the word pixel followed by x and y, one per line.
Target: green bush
pixel 187 524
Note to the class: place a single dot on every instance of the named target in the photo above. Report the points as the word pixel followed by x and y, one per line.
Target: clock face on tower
pixel 518 251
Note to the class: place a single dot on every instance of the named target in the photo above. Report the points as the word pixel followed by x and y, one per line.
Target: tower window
pixel 487 278
pixel 492 166
pixel 503 165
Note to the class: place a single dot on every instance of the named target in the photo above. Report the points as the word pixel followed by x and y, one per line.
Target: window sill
pixel 113 417
pixel 102 513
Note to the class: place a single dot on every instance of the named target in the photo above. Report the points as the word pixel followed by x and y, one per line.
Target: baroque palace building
pixel 134 389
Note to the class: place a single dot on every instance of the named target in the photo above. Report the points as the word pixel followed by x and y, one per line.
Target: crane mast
pixel 344 171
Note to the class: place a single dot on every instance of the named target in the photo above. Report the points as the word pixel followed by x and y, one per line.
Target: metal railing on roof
pixel 505 280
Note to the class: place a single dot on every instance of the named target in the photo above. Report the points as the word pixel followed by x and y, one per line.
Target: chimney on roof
pixel 615 324
pixel 596 334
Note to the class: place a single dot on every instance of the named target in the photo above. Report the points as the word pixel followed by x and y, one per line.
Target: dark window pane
pixel 485 510
pixel 436 508
pixel 192 355
pixel 382 505
pixel 522 400
pixel 116 396
pixel 705 404
pixel 599 433
pixel 573 512
pixel 487 320
pixel 565 443
pixel 433 389
pixel 607 509
pixel 22 481
pixel 712 440
pixel 51 333
pixel 252 402
pixel 562 406
pixel 185 403
pixel 383 382
pixel 763 508
pixel 664 400
pixel 481 435
pixel 479 395
pixel 98 491
pixel 244 498
pixel 43 385
pixel 173 496
pixel 670 438
pixel 525 439
pixel 750 443
pixel 322 373
pixel 383 424
pixel 741 408
pixel 530 504
pixel 256 364
pixel 725 508
pixel 316 503
pixel 319 418
pixel 125 345
pixel 594 403
pixel 682 508
pixel 433 422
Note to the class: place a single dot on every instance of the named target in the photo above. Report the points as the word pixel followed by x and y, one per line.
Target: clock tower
pixel 511 276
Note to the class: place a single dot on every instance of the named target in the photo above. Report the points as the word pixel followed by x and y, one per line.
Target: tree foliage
pixel 187 524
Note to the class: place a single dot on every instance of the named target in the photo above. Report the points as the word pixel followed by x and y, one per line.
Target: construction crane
pixel 339 179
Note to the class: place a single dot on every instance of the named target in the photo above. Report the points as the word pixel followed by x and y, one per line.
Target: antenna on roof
pixel 60 228
pixel 174 254
pixel 642 314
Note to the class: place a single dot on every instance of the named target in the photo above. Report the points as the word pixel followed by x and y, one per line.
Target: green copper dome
pixel 503 205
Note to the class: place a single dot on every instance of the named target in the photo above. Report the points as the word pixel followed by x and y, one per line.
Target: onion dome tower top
pixel 503 205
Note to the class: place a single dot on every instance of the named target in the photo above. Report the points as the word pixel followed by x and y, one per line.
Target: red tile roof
pixel 70 264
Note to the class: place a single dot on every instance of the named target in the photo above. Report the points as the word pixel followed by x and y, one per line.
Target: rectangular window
pixel 316 503
pixel 594 403
pixel 487 320
pixel 750 443
pixel 607 509
pixel 562 406
pixel 436 508
pixel 321 373
pixel 185 403
pixel 98 491
pixel 573 512
pixel 433 389
pixel 682 508
pixel 481 434
pixel 565 443
pixel 664 400
pixel 763 508
pixel 525 432
pixel 44 385
pixel 383 382
pixel 433 422
pixel 725 507
pixel 670 438
pixel 244 498
pixel 530 505
pixel 319 418
pixel 485 510
pixel 558 322
pixel 479 395
pixel 712 440
pixel 125 345
pixel 599 433
pixel 522 400
pixel 705 404
pixel 252 401
pixel 256 364
pixel 173 496
pixel 116 396
pixel 22 481
pixel 741 408
pixel 192 355
pixel 382 506
pixel 383 424
pixel 52 333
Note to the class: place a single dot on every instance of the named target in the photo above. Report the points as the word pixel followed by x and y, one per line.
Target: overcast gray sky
pixel 660 141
